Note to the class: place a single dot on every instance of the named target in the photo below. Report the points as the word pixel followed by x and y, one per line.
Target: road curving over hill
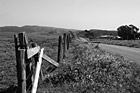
pixel 129 53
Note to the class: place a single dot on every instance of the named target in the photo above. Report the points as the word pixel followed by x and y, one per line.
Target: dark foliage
pixel 128 32
pixel 95 71
pixel 95 33
pixel 89 34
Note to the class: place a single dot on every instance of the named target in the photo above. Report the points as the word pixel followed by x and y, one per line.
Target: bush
pixel 93 70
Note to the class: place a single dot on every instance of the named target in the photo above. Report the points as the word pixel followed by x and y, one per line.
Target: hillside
pixel 29 28
pixel 44 30
pixel 97 32
pixel 32 30
pixel 103 32
pixel 86 68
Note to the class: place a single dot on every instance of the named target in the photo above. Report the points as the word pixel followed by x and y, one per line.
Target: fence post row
pixel 25 57
pixel 63 46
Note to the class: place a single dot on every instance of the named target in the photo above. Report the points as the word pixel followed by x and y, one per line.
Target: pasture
pixel 85 69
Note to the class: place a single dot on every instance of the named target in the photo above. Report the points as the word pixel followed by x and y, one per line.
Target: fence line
pixel 25 57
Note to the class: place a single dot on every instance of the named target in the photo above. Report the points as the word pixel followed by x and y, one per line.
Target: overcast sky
pixel 73 14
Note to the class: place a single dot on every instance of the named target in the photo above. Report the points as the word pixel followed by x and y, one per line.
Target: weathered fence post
pixel 22 69
pixel 17 62
pixel 59 57
pixel 24 65
pixel 29 70
pixel 36 57
pixel 21 63
pixel 38 67
pixel 64 45
pixel 23 42
pixel 68 42
pixel 24 58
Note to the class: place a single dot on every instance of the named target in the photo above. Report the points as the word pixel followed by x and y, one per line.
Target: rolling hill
pixel 50 31
pixel 97 32
pixel 33 30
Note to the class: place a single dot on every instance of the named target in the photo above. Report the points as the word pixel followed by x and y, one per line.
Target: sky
pixel 71 14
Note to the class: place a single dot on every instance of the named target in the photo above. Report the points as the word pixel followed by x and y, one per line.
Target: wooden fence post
pixel 59 57
pixel 36 57
pixel 23 41
pixel 29 70
pixel 22 74
pixel 17 62
pixel 64 45
pixel 68 41
pixel 38 67
pixel 21 64
pixel 69 38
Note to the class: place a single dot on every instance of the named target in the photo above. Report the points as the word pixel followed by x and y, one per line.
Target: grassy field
pixel 91 70
pixel 85 70
pixel 128 43
pixel 8 75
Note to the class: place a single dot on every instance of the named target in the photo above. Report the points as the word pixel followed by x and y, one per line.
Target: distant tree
pixel 134 31
pixel 86 31
pixel 127 32
pixel 89 34
pixel 138 35
pixel 123 32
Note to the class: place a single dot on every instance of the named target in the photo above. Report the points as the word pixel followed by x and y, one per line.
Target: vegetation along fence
pixel 29 59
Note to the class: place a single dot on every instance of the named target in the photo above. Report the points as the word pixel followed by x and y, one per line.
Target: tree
pixel 127 32
pixel 134 31
pixel 138 35
pixel 89 34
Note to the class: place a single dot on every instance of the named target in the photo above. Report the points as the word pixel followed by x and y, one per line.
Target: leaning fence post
pixel 59 49
pixel 35 57
pixel 38 67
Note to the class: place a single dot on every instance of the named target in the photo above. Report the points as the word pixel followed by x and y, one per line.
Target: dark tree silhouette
pixel 127 32
pixel 134 31
pixel 89 34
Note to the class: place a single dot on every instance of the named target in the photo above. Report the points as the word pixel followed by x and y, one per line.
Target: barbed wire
pixel 31 73
pixel 29 88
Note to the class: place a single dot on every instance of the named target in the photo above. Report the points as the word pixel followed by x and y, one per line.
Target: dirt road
pixel 128 52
